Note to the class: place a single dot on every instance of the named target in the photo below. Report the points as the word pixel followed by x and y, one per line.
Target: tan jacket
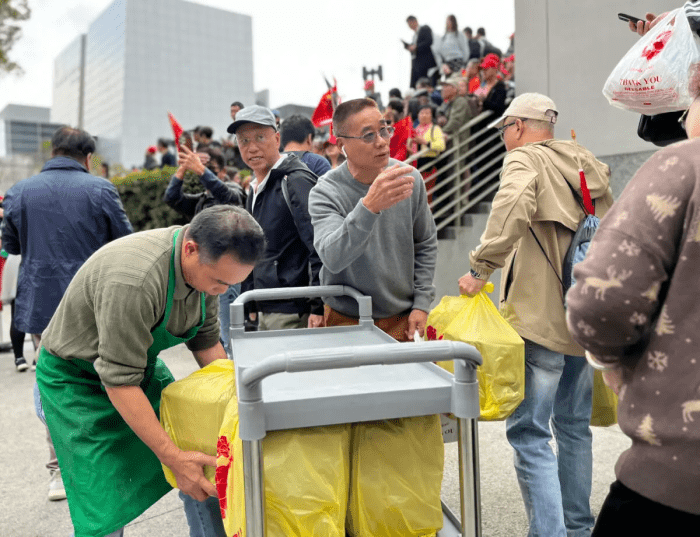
pixel 533 194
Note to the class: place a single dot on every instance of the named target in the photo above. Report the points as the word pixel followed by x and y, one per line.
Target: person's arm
pixel 299 189
pixel 128 313
pixel 133 405
pixel 510 217
pixel 425 246
pixel 177 199
pixel 206 356
pixel 119 224
pixel 621 284
pixel 10 234
pixel 219 190
pixel 340 240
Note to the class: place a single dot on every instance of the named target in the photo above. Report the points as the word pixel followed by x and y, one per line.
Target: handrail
pixel 466 175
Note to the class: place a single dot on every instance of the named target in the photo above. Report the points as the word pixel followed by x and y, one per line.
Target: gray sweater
pixel 389 256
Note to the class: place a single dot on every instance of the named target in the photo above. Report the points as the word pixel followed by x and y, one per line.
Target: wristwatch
pixel 476 275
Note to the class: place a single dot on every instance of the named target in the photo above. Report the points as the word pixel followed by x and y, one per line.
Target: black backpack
pixel 308 176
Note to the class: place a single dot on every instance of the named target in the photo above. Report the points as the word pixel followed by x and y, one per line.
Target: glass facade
pixel 143 59
pixel 68 84
pixel 104 79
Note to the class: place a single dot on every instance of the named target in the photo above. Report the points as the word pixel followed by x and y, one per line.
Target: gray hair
pixel 225 229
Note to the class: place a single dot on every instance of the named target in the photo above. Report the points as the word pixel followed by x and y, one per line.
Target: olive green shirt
pixel 118 297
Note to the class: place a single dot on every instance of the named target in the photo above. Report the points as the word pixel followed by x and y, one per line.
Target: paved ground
pixel 27 512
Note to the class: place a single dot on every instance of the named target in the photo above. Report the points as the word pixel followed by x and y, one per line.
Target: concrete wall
pixel 567 50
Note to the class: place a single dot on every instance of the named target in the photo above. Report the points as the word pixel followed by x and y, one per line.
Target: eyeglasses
pixel 258 139
pixel 371 137
pixel 683 117
pixel 502 130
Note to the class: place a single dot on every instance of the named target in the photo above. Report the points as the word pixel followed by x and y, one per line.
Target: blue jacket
pixel 55 220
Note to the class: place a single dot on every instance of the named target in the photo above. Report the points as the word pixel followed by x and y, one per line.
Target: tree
pixel 10 12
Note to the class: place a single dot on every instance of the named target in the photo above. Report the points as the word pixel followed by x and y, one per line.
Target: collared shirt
pixel 257 188
pixel 116 299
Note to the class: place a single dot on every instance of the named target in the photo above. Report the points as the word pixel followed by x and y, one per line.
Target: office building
pixel 143 59
pixel 25 130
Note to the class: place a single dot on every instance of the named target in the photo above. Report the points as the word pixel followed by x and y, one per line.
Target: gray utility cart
pixel 285 380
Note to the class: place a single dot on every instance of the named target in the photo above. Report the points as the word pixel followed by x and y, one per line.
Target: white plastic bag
pixel 652 78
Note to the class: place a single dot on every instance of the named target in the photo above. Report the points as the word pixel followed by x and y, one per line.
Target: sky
pixel 294 44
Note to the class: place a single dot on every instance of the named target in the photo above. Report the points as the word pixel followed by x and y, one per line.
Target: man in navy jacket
pixel 56 220
pixel 279 201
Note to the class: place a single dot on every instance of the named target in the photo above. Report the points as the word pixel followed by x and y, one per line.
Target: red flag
pixel 402 132
pixel 323 115
pixel 332 139
pixel 177 130
pixel 587 201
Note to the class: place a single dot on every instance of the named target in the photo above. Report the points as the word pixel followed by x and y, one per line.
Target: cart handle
pixel 347 357
pixel 465 387
pixel 285 293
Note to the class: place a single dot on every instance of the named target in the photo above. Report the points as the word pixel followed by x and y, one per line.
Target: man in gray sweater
pixel 373 229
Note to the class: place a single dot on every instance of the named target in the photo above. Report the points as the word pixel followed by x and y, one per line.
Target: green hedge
pixel 142 195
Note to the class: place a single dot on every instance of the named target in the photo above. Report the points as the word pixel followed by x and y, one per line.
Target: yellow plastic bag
pixel 306 474
pixel 604 411
pixel 306 470
pixel 477 321
pixel 192 410
pixel 396 477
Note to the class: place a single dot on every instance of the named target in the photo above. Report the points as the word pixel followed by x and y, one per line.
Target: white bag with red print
pixel 653 77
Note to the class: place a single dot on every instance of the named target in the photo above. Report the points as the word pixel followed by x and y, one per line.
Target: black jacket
pixel 290 258
pixel 218 193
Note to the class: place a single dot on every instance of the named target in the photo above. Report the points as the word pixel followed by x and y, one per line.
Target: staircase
pixel 462 205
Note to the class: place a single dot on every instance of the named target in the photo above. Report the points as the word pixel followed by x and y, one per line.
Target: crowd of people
pixel 302 211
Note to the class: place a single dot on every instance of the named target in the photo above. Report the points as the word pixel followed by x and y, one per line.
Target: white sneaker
pixel 56 490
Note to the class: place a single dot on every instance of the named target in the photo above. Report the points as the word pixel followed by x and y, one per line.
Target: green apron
pixel 110 475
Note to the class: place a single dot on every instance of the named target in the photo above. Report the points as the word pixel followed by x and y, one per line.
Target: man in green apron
pixel 100 377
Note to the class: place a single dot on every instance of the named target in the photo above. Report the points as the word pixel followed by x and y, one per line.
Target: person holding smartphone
pixel 642 26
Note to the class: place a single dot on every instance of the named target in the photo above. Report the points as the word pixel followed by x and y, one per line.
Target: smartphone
pixel 629 18
pixel 186 141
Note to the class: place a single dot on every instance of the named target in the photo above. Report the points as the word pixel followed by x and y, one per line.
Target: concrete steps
pixel 454 245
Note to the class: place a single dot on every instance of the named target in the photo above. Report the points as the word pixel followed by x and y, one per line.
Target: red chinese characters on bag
pixel 431 334
pixel 223 451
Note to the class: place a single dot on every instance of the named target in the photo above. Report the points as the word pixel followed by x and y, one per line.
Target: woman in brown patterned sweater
pixel 636 308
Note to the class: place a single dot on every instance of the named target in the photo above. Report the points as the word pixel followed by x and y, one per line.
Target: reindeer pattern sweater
pixel 636 304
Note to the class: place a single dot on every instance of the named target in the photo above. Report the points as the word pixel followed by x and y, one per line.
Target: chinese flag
pixel 402 132
pixel 323 115
pixel 177 130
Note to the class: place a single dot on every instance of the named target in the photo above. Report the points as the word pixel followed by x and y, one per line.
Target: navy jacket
pixel 290 257
pixel 55 220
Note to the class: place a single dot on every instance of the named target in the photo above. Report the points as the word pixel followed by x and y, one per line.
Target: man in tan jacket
pixel 535 203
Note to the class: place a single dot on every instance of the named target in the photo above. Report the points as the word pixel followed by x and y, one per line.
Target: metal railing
pixel 466 172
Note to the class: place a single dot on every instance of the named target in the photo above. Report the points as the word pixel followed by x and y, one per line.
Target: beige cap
pixel 530 106
pixel 453 80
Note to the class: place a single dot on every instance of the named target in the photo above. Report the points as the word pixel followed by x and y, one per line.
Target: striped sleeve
pixel 692 11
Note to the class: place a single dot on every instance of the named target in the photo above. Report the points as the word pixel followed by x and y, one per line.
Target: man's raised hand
pixel 389 188
pixel 189 160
